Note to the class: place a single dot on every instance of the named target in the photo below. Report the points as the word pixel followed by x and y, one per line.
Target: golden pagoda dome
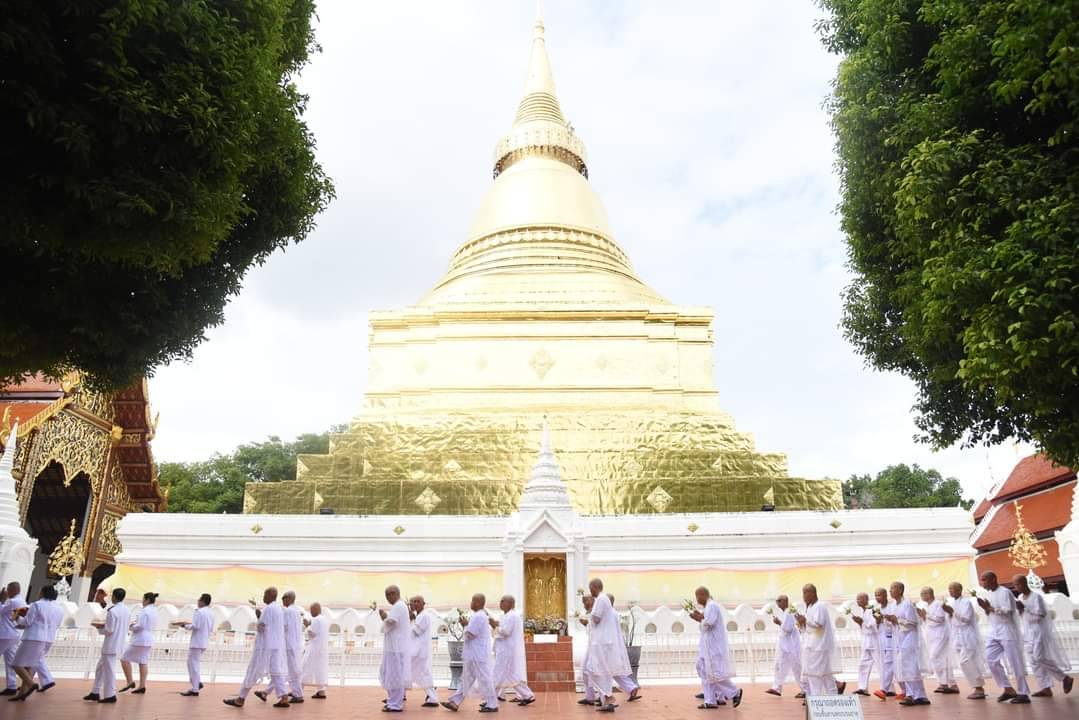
pixel 541 235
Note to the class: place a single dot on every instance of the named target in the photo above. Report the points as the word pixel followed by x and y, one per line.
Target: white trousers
pixel 1046 673
pixel 871 658
pixel 194 667
pixel 44 677
pixel 105 677
pixel 625 683
pixel 7 649
pixel 969 667
pixel 294 660
pixel 476 673
pixel 432 694
pixel 821 685
pixel 520 690
pixel 914 689
pixel 887 666
pixel 715 690
pixel 262 664
pixel 1009 652
pixel 942 669
pixel 589 686
pixel 788 663
pixel 395 698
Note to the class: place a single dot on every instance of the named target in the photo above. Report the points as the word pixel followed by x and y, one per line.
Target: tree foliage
pixel 217 485
pixel 956 137
pixel 153 151
pixel 900 486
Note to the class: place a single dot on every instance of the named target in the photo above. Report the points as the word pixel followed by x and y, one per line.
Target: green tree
pixel 956 139
pixel 153 151
pixel 217 485
pixel 900 486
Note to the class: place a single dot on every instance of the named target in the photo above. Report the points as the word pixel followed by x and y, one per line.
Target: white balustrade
pixel 668 638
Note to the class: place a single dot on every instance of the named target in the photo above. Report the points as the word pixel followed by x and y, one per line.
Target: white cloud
pixel 707 143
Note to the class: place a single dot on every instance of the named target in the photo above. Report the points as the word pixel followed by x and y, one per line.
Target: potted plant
pixel 628 621
pixel 455 620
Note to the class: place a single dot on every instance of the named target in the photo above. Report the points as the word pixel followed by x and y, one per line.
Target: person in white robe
pixel 292 619
pixel 38 626
pixel 586 678
pixel 1048 661
pixel 420 656
pixel 393 673
pixel 316 654
pixel 114 628
pixel 476 659
pixel 11 599
pixel 268 656
pixel 820 654
pixel 1004 641
pixel 45 680
pixel 606 653
pixel 865 618
pixel 886 633
pixel 967 640
pixel 625 683
pixel 510 670
pixel 938 640
pixel 140 645
pixel 201 626
pixel 715 666
pixel 909 663
pixel 788 648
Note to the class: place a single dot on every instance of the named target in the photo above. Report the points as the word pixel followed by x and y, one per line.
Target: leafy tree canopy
pixel 217 485
pixel 956 137
pixel 900 486
pixel 153 151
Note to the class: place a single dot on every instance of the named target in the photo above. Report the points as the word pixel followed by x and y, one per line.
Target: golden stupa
pixel 541 315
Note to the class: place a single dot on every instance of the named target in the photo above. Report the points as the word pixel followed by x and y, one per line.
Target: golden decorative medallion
pixel 66 557
pixel 256 528
pixel 398 530
pixel 427 500
pixel 541 363
pixel 659 499
pixel 835 524
pixel 693 527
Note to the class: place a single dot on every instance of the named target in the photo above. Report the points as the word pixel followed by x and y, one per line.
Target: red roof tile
pixel 1045 511
pixel 981 509
pixel 1031 473
pixel 32 384
pixel 1000 563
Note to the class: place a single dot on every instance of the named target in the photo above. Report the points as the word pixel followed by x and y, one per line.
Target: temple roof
pixel 541 236
pixel 1042 512
pixel 1030 474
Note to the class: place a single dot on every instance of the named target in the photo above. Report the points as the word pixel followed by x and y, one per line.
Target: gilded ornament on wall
pixel 541 363
pixel 427 500
pixel 659 499
pixel 66 557
pixel 107 541
pixel 77 445
pixel 545 587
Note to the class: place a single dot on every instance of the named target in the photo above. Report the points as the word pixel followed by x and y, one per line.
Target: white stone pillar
pixel 17 548
pixel 1068 544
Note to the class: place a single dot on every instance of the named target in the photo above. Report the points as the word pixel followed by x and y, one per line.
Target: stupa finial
pixel 539 101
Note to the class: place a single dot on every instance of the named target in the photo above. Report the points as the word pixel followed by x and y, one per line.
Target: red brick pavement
pixel 162 702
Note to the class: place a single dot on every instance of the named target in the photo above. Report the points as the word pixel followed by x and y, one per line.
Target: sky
pixel 709 146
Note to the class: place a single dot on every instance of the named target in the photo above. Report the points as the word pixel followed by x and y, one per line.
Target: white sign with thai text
pixel 833 707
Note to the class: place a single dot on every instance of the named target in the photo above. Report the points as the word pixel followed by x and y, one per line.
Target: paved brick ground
pixel 162 702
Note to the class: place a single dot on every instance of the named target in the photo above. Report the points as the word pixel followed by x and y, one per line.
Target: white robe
pixel 938 639
pixel 316 654
pixel 1040 635
pixel 713 652
pixel 606 660
pixel 422 675
pixel 967 640
pixel 394 674
pixel 510 669
pixel 910 663
pixel 820 653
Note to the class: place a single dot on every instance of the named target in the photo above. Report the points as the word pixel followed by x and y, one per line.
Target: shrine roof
pixel 981 509
pixel 1031 473
pixel 1043 512
pixel 33 385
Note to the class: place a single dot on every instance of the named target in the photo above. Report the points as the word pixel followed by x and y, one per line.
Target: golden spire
pixel 539 101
